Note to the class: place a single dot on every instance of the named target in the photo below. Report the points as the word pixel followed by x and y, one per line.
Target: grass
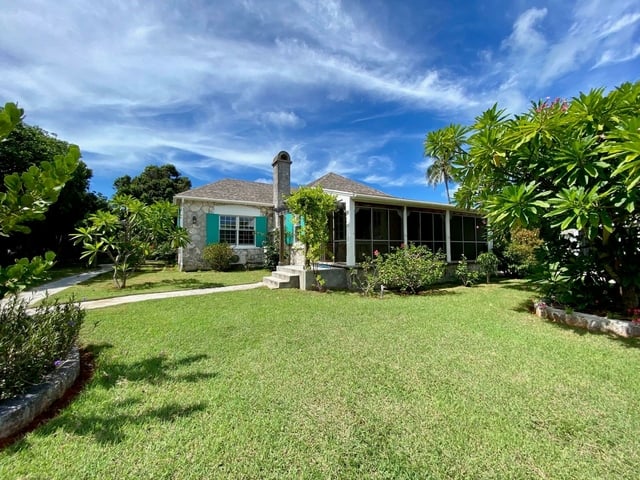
pixel 151 280
pixel 463 383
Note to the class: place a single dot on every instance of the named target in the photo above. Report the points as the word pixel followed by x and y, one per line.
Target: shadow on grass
pixel 154 371
pixel 626 342
pixel 174 283
pixel 110 427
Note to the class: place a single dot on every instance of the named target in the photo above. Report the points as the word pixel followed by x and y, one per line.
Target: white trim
pixel 224 201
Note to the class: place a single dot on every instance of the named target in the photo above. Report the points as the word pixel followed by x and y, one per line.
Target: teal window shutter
pixel 213 228
pixel 288 229
pixel 261 231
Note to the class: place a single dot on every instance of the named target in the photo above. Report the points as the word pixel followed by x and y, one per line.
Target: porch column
pixel 405 235
pixel 350 214
pixel 447 233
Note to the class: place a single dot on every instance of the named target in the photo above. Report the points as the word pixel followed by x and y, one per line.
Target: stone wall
pixel 194 219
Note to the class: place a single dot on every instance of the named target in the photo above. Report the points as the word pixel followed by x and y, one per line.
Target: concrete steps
pixel 283 277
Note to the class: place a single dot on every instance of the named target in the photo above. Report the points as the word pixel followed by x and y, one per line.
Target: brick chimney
pixel 281 178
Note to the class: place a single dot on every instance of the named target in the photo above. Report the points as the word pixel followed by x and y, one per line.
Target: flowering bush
pixel 635 315
pixel 465 275
pixel 33 344
pixel 408 269
pixel 488 264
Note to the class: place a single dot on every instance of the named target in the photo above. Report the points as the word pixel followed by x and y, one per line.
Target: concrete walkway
pixel 50 288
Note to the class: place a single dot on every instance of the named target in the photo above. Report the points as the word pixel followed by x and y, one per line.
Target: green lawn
pixel 150 280
pixel 462 383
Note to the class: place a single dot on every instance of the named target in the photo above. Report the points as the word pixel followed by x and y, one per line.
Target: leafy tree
pixel 28 146
pixel 488 263
pixel 445 147
pixel 566 167
pixel 314 205
pixel 128 233
pixel 26 197
pixel 154 184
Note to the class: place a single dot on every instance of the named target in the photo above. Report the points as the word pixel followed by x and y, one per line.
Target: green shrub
pixel 467 276
pixel 409 270
pixel 218 256
pixel 32 344
pixel 271 252
pixel 488 264
pixel 521 252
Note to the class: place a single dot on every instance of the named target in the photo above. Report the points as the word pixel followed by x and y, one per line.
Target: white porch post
pixel 350 213
pixel 447 233
pixel 405 235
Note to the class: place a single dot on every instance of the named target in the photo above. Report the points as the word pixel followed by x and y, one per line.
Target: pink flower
pixel 376 253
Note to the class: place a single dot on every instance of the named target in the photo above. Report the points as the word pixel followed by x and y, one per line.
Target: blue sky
pixel 219 87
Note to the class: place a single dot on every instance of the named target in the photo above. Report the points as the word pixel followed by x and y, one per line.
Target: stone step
pixel 275 282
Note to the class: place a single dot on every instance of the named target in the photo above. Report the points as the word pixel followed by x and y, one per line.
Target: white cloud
pixel 283 119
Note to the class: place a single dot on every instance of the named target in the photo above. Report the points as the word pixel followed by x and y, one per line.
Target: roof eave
pixel 224 201
pixel 409 203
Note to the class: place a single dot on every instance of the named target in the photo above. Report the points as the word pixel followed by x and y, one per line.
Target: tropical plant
pixel 488 263
pixel 26 197
pixel 313 205
pixel 565 166
pixel 466 275
pixel 33 344
pixel 128 233
pixel 410 269
pixel 445 147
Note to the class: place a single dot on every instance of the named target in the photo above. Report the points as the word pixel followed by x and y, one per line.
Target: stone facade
pixel 193 217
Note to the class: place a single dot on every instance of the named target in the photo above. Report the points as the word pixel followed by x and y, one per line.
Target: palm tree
pixel 445 147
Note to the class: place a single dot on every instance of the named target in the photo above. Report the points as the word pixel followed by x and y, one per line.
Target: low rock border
pixel 593 323
pixel 19 411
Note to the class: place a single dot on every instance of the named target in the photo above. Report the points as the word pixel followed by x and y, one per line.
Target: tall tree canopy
pixel 445 147
pixel 154 184
pixel 28 146
pixel 571 169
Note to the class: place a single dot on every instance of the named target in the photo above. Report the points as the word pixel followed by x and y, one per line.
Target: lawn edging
pixel 19 411
pixel 593 323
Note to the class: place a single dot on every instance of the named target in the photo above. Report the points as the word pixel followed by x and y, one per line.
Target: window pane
pixel 363 223
pixel 246 223
pixel 481 230
pixel 339 225
pixel 246 237
pixel 469 229
pixel 363 249
pixel 413 226
pixel 395 225
pixel 456 228
pixel 228 236
pixel 426 227
pixel 439 246
pixel 470 251
pixel 380 224
pixel 227 222
pixel 456 251
pixel 438 227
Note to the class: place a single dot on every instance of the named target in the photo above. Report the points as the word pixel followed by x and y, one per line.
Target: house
pixel 243 213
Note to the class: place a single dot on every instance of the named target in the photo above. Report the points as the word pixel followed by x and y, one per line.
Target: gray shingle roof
pixel 235 190
pixel 256 192
pixel 333 181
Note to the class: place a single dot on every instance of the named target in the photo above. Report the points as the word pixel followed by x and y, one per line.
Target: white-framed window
pixel 237 230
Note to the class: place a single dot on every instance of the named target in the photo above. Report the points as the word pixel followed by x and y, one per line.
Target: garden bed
pixel 19 411
pixel 593 323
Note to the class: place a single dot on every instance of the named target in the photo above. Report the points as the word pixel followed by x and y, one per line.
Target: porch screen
pixel 377 228
pixel 468 236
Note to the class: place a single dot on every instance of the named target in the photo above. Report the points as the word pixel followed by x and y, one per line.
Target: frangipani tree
pixel 128 233
pixel 566 166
